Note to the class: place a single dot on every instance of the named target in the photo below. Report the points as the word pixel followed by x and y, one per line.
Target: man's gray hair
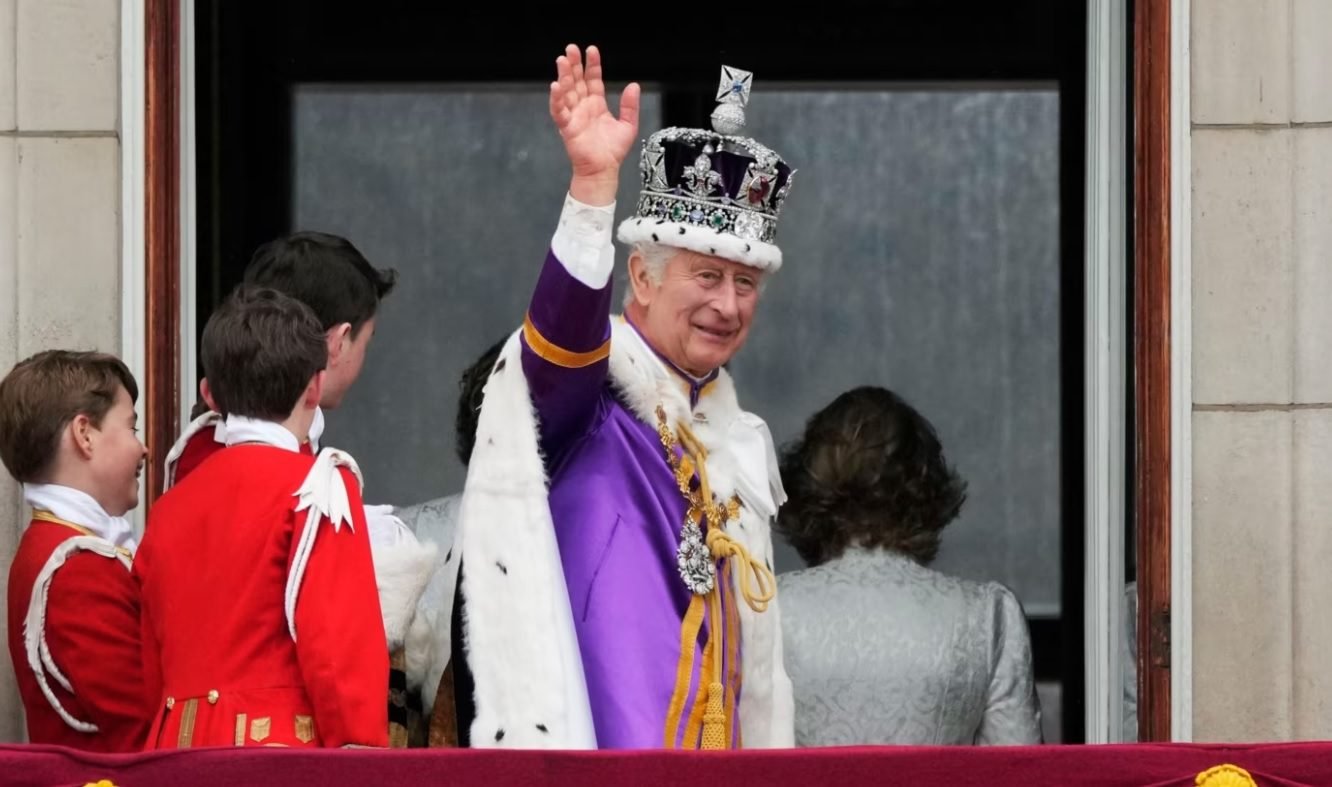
pixel 656 256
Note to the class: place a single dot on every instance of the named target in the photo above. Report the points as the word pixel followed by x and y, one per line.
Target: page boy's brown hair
pixel 42 394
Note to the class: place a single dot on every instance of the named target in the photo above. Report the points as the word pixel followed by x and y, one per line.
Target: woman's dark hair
pixel 471 392
pixel 869 471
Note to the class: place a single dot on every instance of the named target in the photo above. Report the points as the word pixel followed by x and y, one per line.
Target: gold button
pixel 171 703
pixel 212 697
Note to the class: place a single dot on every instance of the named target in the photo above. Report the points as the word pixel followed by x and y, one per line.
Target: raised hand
pixel 595 140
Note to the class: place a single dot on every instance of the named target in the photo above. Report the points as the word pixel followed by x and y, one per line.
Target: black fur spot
pixel 542 727
pixel 499 367
pixel 713 252
pixel 449 556
pixel 499 735
pixel 682 230
pixel 490 441
pixel 655 239
pixel 502 567
pixel 638 223
pixel 746 247
pixel 660 222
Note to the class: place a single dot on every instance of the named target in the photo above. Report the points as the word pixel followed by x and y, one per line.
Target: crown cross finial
pixel 732 96
pixel 734 86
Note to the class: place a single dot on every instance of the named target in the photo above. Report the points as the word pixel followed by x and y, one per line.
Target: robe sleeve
pixel 92 629
pixel 1012 711
pixel 566 334
pixel 341 645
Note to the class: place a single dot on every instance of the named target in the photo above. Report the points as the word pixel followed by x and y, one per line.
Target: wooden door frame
pixel 162 156
pixel 1151 313
pixel 1151 319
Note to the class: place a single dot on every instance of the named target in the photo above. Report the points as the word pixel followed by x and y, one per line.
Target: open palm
pixel 595 140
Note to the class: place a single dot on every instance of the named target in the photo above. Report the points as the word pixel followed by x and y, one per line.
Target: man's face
pixel 346 356
pixel 699 315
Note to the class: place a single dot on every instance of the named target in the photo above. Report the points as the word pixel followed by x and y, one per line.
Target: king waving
pixel 617 587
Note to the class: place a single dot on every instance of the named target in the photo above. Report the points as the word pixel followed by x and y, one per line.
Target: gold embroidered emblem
pixel 260 728
pixel 239 738
pixel 304 728
pixel 1225 776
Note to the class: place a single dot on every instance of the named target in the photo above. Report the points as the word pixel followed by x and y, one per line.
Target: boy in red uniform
pixel 332 277
pixel 261 624
pixel 68 434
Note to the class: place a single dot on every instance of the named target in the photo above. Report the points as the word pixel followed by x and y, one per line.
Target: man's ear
pixel 338 338
pixel 639 281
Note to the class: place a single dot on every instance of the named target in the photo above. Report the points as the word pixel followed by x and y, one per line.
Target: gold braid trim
pixel 718 687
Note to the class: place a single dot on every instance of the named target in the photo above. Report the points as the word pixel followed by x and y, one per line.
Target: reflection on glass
pixel 460 191
pixel 921 245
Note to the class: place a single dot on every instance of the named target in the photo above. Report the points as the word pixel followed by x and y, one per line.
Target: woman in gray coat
pixel 882 649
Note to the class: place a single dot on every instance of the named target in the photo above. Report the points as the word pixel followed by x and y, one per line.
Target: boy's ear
pixel 207 394
pixel 80 432
pixel 314 391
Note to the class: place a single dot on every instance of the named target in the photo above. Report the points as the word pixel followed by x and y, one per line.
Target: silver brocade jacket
pixel 882 650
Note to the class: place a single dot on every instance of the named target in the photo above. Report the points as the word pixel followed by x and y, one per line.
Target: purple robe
pixel 618 515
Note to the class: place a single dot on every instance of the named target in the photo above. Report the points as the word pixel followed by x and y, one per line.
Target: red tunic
pixel 222 666
pixel 92 631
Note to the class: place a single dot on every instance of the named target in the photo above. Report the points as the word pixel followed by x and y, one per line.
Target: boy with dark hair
pixel 343 290
pixel 68 434
pixel 261 622
pixel 332 277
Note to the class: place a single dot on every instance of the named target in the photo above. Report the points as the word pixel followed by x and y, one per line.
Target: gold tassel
pixel 714 718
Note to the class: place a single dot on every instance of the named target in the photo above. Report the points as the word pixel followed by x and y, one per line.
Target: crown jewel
pixel 713 181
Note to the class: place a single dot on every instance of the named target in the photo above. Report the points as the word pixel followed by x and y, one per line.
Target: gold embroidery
pixel 240 729
pixel 304 729
pixel 1225 776
pixel 186 738
pixel 260 728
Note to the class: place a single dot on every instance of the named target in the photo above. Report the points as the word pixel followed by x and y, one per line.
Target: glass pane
pixel 921 247
pixel 922 253
pixel 460 190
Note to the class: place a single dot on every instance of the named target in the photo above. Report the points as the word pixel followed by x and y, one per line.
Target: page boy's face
pixel 118 457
